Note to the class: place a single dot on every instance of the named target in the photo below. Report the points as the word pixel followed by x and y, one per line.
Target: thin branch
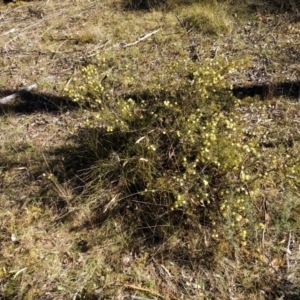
pixel 267 220
pixel 141 38
pixel 263 237
pixel 9 98
pixel 140 298
pixel 288 251
pixel 94 51
pixel 138 288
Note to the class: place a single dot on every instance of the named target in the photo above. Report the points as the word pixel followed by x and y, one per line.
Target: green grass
pixel 137 195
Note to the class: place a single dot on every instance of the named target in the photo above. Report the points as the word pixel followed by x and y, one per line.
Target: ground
pixel 54 243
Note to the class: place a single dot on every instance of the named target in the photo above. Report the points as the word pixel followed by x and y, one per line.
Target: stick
pixel 140 298
pixel 11 97
pixel 135 287
pixel 141 38
pixel 288 252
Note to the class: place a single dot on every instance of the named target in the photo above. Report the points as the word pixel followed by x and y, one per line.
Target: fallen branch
pixel 11 97
pixel 141 38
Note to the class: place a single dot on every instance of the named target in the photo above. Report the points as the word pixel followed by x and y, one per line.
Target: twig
pixel 26 28
pixel 267 220
pixel 138 288
pixel 288 251
pixel 135 287
pixel 9 98
pixel 181 24
pixel 94 51
pixel 140 298
pixel 9 31
pixel 141 38
pixel 263 237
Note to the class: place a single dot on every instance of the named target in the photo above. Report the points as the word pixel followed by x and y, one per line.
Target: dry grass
pixel 56 242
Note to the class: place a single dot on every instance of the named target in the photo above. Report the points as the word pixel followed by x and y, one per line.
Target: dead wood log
pixel 13 96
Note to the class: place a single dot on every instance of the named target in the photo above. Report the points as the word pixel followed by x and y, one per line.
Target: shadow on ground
pixel 284 289
pixel 30 102
pixel 289 90
pixel 89 146
pixel 149 224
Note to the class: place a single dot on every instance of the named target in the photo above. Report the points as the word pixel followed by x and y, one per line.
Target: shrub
pixel 177 142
